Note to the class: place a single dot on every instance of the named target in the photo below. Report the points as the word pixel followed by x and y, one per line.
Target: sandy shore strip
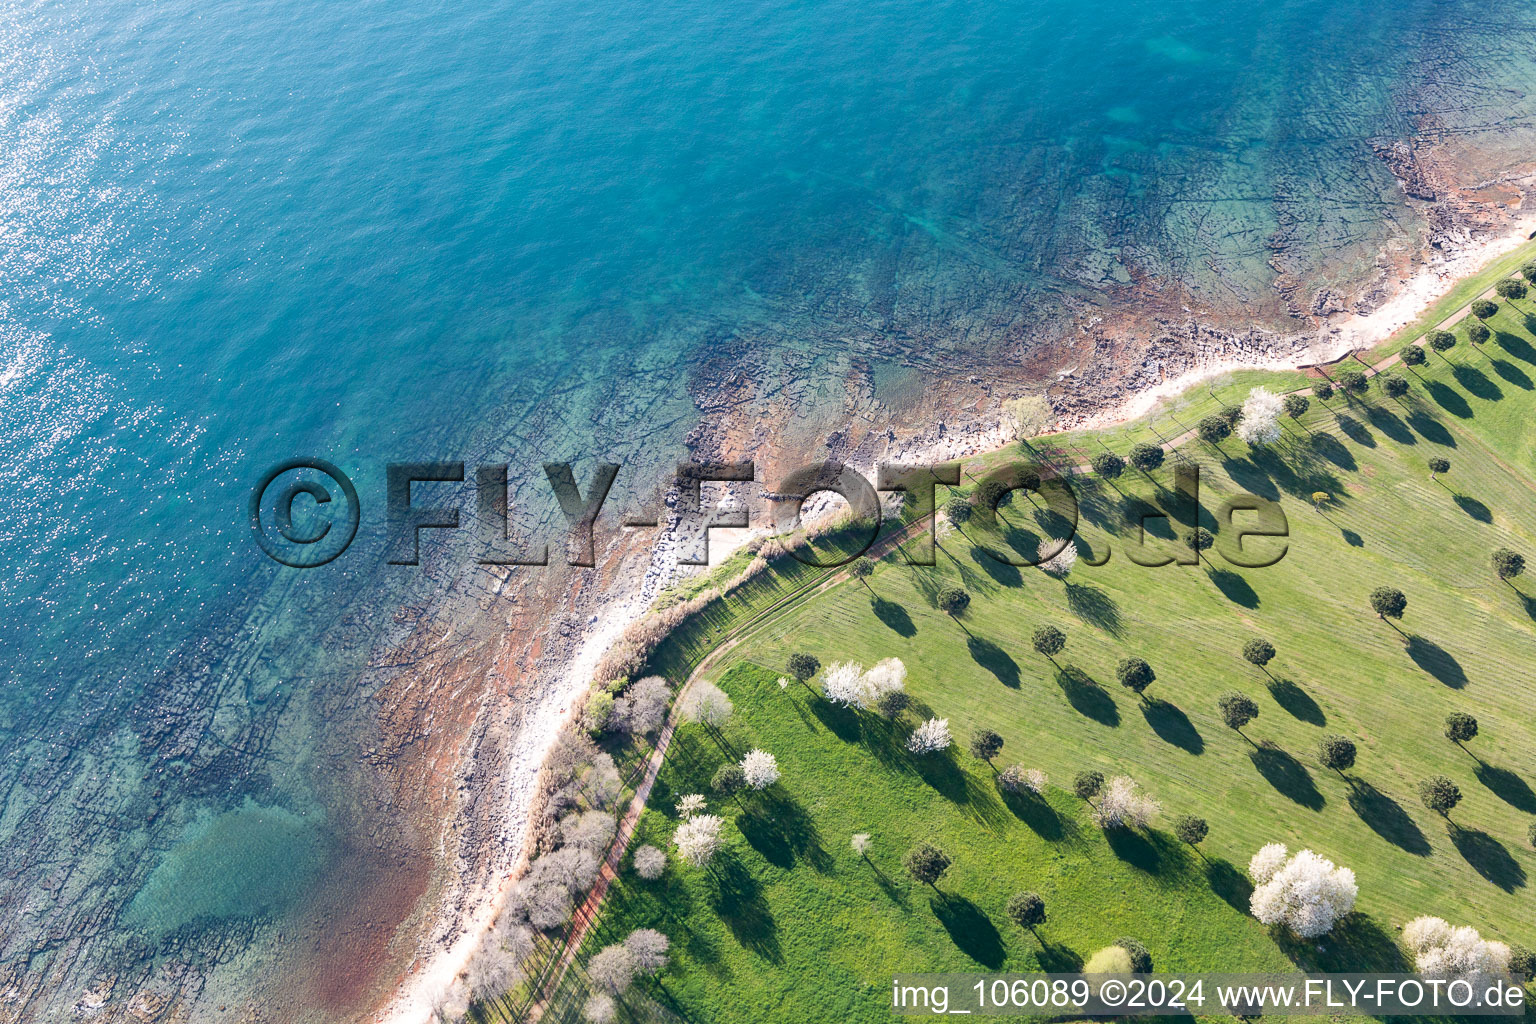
pixel 437 968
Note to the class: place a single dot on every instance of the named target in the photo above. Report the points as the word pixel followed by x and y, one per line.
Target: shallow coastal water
pixel 373 230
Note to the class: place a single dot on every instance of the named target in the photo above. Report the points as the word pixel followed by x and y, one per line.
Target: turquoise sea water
pixel 236 232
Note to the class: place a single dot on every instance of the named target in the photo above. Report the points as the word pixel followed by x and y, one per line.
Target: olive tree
pixel 926 863
pixel 1259 651
pixel 1388 603
pixel 1460 727
pixel 1394 385
pixel 1508 564
pixel 1147 457
pixel 1509 290
pixel 1484 308
pixel 958 511
pixel 1087 784
pixel 1108 465
pixel 1135 674
pixel 1049 641
pixel 1411 355
pixel 1214 430
pixel 1442 341
pixel 1440 795
pixel 802 666
pixel 1237 709
pixel 1336 753
pixel 954 600
pixel 1322 391
pixel 1027 910
pixel 985 745
pixel 1296 406
pixel 1438 465
pixel 1191 830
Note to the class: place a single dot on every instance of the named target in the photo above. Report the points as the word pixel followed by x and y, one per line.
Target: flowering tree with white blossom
pixel 1306 893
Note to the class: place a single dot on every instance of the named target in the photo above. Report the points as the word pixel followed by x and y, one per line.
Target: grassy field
pixel 790 925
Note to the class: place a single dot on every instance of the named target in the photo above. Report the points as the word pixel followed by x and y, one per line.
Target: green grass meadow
pixel 789 924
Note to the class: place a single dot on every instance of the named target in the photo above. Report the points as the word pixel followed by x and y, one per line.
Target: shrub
pixel 1411 355
pixel 1388 602
pixel 1258 651
pixel 1439 794
pixel 1027 910
pixel 1190 829
pixel 1460 727
pixel 1307 893
pixel 930 737
pixel 1088 784
pixel 926 863
pixel 1237 709
pixel 1147 457
pixel 1336 753
pixel 985 745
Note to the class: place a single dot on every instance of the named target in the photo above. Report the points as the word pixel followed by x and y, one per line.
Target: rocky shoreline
pixel 508 693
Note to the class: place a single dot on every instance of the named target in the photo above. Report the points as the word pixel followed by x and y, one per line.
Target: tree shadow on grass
pixel 1449 400
pixel 1094 607
pixel 1476 382
pixel 995 565
pixel 1356 944
pixel 1087 696
pixel 842 722
pixel 1518 346
pixel 1229 883
pixel 1431 429
pixel 1513 374
pixel 1474 508
pixel 739 902
pixel 1297 701
pixel 1288 775
pixel 1352 538
pixel 1251 477
pixel 972 932
pixel 1488 858
pixel 1437 661
pixel 1148 851
pixel 1172 725
pixel 1386 818
pixel 893 615
pixel 1040 816
pixel 1332 449
pixel 1234 588
pixel 995 660
pixel 1388 423
pixel 1356 432
pixel 1507 786
pixel 1055 958
pixel 779 828
pixel 941 773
